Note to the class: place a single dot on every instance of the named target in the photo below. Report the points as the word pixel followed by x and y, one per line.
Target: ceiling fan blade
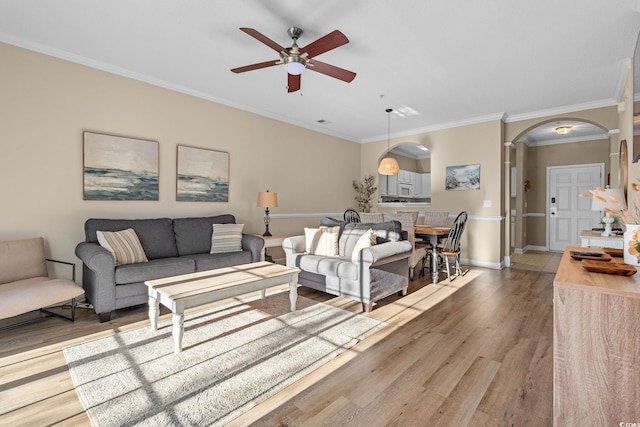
pixel 293 82
pixel 264 39
pixel 332 71
pixel 254 66
pixel 331 41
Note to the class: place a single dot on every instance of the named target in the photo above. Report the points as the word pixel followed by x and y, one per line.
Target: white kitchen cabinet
pixel 392 185
pixel 425 179
pixel 404 177
pixel 382 184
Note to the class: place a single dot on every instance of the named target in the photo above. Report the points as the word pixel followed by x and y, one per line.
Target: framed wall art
pixel 119 168
pixel 466 177
pixel 202 175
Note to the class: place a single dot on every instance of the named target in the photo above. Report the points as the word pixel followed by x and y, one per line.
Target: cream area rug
pixel 233 357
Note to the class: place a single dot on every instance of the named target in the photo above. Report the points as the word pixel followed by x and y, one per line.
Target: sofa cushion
pixel 26 295
pixel 22 259
pixel 154 269
pixel 390 230
pixel 213 261
pixel 193 235
pixel 322 241
pixel 156 235
pixel 123 245
pixel 226 238
pixel 367 240
pixel 329 266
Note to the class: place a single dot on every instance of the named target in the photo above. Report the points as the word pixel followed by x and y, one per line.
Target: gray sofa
pixel 172 246
pixel 379 271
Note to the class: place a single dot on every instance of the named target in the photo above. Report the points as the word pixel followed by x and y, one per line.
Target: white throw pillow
pixel 124 245
pixel 322 241
pixel 226 238
pixel 367 240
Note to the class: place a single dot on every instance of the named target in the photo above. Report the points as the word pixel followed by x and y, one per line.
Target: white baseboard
pixel 484 264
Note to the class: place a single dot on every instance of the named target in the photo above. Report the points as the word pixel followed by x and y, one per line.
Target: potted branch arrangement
pixel 364 192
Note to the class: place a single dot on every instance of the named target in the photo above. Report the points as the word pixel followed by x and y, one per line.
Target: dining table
pixel 432 233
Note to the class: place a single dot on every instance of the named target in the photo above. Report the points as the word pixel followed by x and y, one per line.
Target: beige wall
pixel 47 103
pixel 474 144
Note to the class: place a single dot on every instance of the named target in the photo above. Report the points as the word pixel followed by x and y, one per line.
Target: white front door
pixel 568 213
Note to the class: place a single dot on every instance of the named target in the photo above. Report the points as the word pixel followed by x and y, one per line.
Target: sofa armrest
pixel 292 246
pixel 71 264
pixel 385 253
pixel 253 244
pixel 98 276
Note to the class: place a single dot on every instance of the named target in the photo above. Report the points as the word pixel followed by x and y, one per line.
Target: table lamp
pixel 267 200
pixel 603 200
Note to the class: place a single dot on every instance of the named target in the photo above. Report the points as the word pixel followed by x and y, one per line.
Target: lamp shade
pixel 267 200
pixel 604 200
pixel 388 166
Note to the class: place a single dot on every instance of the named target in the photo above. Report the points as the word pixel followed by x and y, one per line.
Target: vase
pixel 630 230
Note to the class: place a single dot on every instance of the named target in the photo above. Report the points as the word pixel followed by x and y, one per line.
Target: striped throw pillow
pixel 124 246
pixel 226 238
pixel 322 241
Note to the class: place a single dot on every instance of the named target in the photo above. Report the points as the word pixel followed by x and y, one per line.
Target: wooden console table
pixel 596 346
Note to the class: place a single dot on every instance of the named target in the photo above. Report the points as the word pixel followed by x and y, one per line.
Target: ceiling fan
pixel 297 59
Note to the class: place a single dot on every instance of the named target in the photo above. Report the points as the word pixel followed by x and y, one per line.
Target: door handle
pixel 553 211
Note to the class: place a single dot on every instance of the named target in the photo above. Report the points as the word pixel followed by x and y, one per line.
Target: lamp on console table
pixel 604 201
pixel 267 200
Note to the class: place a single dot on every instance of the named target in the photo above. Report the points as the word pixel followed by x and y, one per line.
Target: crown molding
pixel 561 110
pixel 443 126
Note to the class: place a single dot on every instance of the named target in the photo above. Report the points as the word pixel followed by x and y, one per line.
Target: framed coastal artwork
pixel 466 177
pixel 119 168
pixel 202 175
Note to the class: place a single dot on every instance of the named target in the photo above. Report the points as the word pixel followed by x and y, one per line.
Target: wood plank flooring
pixel 476 353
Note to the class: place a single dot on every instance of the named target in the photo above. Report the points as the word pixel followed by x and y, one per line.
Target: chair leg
pixel 458 269
pixel 410 273
pixel 446 260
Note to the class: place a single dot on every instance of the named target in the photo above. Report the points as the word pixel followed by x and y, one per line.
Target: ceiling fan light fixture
pixel 294 67
pixel 563 130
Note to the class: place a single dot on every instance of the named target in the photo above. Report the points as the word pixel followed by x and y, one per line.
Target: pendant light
pixel 388 165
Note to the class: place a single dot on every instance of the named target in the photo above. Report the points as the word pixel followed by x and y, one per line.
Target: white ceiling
pixel 452 61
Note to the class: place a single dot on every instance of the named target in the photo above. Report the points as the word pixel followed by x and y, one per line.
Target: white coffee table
pixel 179 293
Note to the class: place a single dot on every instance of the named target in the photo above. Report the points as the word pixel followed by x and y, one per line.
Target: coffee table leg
pixel 263 294
pixel 178 331
pixel 154 306
pixel 293 292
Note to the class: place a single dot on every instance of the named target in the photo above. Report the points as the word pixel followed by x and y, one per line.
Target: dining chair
pixel 439 219
pixel 351 215
pixel 371 217
pixel 407 223
pixel 450 248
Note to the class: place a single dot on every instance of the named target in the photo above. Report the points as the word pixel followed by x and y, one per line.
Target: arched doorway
pixel 547 144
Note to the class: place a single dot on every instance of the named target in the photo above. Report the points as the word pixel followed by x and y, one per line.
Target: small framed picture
pixel 466 177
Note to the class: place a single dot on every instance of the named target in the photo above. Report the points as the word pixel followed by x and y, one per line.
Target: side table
pixel 270 242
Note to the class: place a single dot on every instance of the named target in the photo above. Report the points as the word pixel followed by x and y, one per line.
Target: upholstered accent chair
pixel 25 284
